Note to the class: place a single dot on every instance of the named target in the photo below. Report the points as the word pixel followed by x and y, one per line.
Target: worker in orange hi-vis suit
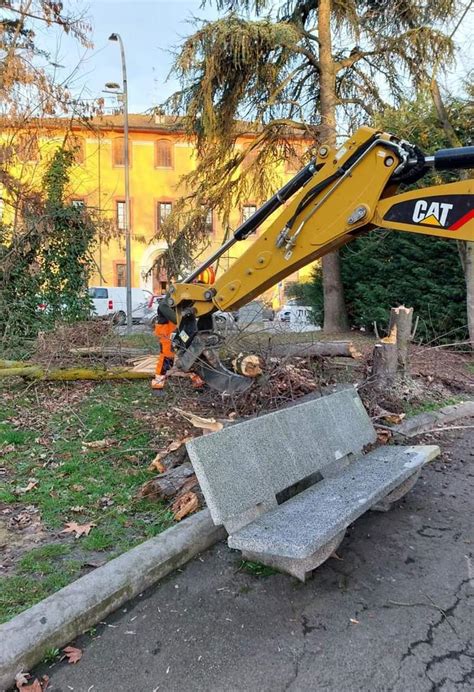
pixel 163 331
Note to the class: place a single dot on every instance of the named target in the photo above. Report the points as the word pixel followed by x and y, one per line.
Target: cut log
pixel 170 483
pixel 250 366
pixel 327 349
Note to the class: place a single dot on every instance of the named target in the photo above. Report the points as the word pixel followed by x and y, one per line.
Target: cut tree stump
pixel 401 320
pixel 384 367
pixel 327 349
pixel 390 356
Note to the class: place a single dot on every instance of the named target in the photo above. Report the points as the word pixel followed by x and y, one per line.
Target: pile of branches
pixel 61 346
pixel 283 380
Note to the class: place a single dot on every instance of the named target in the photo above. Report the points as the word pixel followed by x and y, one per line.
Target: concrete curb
pixel 432 419
pixel 58 619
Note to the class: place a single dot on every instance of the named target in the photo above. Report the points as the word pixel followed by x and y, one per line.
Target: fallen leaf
pixel 389 416
pixel 78 508
pixel 21 679
pixel 383 436
pixel 184 505
pixel 32 483
pixel 77 488
pixel 99 444
pixel 78 529
pixel 199 422
pixel 6 449
pixel 73 655
pixel 157 463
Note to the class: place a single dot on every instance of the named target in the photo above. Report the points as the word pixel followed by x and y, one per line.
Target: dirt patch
pixel 449 368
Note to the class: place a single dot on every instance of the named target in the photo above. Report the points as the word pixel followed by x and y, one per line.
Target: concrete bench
pixel 286 485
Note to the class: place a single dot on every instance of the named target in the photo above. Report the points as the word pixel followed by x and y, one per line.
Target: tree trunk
pixel 466 248
pixel 401 319
pixel 36 372
pixel 335 314
pixel 469 274
pixel 335 349
pixel 384 367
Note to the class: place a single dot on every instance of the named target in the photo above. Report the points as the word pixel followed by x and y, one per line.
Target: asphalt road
pixel 394 613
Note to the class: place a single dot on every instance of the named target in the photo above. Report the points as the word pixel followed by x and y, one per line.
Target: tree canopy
pixel 388 268
pixel 276 69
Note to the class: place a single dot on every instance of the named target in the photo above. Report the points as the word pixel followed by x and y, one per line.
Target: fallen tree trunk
pixel 112 351
pixel 170 483
pixel 10 364
pixel 327 349
pixel 36 372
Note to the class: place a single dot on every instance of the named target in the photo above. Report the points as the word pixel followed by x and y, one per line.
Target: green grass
pixel 256 569
pixel 426 406
pixel 76 483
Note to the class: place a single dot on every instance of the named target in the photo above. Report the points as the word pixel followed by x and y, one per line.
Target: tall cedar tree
pixel 287 67
pixel 387 268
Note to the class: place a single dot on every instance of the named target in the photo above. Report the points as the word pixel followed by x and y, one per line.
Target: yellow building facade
pixel 160 154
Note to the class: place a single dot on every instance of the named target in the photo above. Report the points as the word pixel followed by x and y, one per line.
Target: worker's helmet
pixel 207 276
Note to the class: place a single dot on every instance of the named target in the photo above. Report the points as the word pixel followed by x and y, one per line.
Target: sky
pixel 150 30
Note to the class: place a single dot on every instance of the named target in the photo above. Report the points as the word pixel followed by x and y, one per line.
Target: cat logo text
pixel 431 213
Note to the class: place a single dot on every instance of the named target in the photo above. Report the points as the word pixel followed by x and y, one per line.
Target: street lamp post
pixel 128 249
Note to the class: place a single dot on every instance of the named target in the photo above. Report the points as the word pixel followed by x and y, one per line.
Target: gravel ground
pixel 395 612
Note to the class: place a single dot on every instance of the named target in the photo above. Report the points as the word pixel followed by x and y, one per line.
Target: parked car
pixel 111 302
pixel 150 315
pixel 295 314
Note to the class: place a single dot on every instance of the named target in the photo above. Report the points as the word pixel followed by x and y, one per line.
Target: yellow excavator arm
pixel 340 195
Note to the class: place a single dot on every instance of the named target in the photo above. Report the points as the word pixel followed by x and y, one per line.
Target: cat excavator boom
pixel 338 196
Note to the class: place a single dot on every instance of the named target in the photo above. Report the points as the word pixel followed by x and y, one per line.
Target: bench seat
pixel 300 527
pixel 287 484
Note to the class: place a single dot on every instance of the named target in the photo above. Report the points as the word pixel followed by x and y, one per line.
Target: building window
pixel 247 211
pixel 120 274
pixel 163 211
pixel 118 158
pixel 163 154
pixel 120 215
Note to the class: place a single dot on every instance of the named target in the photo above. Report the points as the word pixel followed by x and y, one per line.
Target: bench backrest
pixel 242 467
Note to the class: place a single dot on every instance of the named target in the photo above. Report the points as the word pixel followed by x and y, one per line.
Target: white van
pixel 295 314
pixel 111 302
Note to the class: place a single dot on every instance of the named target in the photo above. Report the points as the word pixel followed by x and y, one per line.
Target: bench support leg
pixel 389 500
pixel 300 568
